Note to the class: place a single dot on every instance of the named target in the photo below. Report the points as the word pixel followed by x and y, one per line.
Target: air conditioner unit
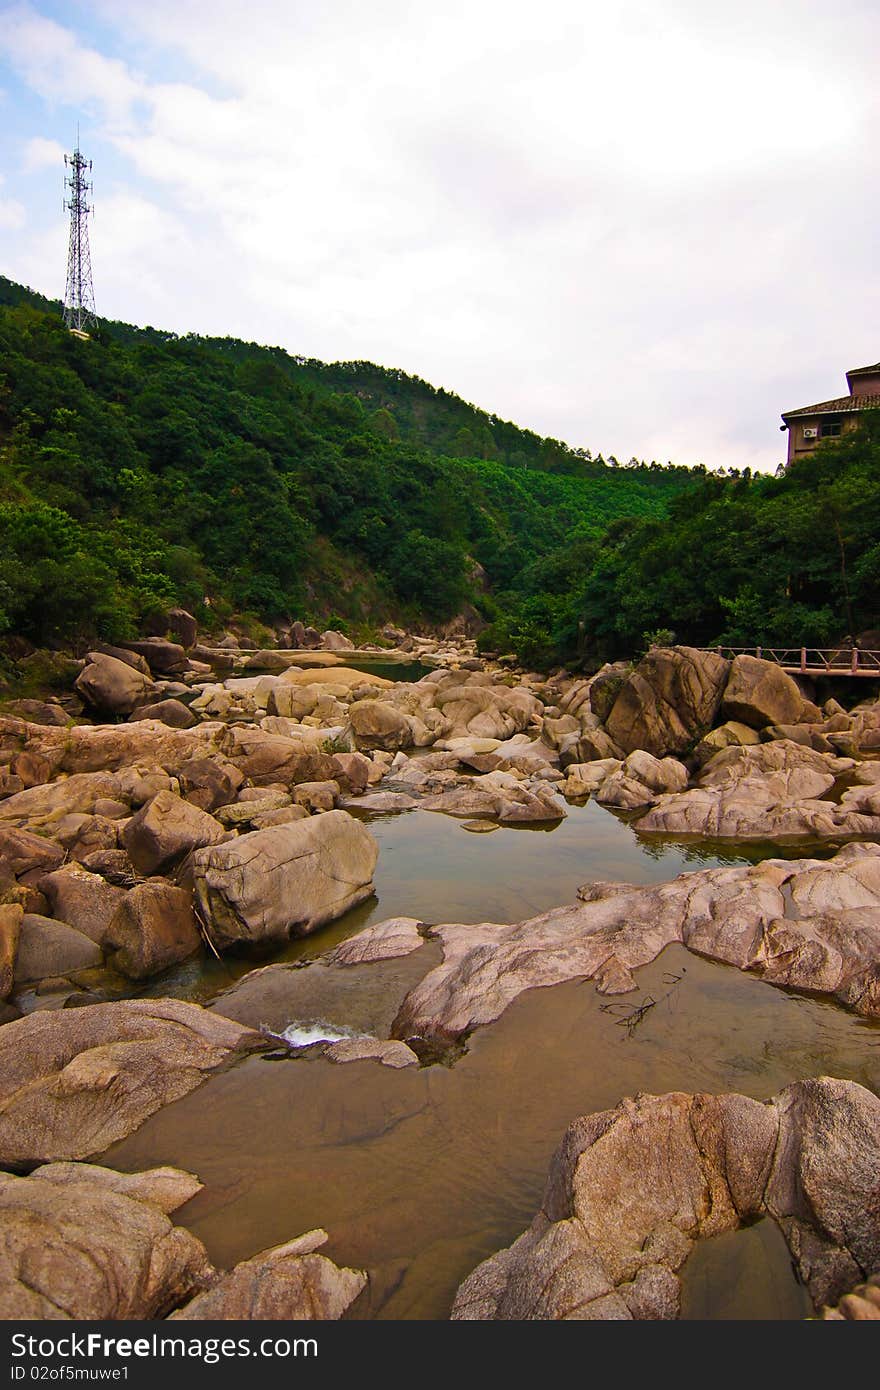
pixel 811 432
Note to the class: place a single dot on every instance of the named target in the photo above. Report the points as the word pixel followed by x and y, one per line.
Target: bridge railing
pixel 844 661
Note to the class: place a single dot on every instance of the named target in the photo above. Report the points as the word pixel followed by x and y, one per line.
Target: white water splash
pixel 303 1034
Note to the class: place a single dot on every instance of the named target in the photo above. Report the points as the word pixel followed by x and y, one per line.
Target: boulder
pixel 625 793
pixel 74 1081
pixel 729 735
pixel 498 796
pixel 165 830
pixel 137 663
pixel 38 712
pixel 281 815
pixel 85 1242
pixel 594 745
pixel 861 1304
pixel 336 642
pixel 209 782
pixel 269 758
pixel 604 688
pixel 22 852
pixel 31 768
pixel 262 888
pixel 316 796
pixel 244 811
pixel 83 835
pixel 288 1282
pixel 669 702
pixel 640 779
pixel 177 623
pixel 583 779
pixel 389 1052
pixel 353 771
pixel 164 658
pixel 765 792
pixel 110 686
pixel 630 1190
pixel 11 915
pixel 380 803
pixel 759 692
pixel 659 774
pixel 171 712
pixel 49 948
pixel 84 901
pixel 110 748
pixel 378 724
pixel 397 936
pixel 44 808
pixel 153 928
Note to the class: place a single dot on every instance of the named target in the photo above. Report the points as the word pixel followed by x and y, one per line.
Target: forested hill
pixel 139 469
pixel 396 405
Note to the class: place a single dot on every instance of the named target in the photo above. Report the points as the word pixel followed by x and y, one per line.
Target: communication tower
pixel 79 296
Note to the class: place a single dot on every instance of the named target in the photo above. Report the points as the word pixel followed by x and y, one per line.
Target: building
pixel 809 425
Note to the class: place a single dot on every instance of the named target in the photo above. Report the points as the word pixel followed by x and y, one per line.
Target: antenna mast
pixel 79 296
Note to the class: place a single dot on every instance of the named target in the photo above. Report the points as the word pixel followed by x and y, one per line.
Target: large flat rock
pixel 809 925
pixel 73 1081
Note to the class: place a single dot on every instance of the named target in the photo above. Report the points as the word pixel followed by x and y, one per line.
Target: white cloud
pixel 40 153
pixel 642 228
pixel 12 214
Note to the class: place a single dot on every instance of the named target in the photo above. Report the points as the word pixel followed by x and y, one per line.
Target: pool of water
pixel 418 1175
pixel 431 868
pixel 391 670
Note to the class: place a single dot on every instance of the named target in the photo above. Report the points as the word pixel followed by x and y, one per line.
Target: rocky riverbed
pixel 209 803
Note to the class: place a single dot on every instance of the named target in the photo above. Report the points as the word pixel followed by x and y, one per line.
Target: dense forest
pixel 141 469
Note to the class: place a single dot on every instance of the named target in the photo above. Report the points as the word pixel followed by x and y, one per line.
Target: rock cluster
pixel 221 806
pixel 631 1190
pixel 84 1242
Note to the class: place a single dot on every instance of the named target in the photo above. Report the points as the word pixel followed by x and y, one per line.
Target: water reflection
pixel 431 868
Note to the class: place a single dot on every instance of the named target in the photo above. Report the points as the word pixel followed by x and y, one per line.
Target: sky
pixel 643 228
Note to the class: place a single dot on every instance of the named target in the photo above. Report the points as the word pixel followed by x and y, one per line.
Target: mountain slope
pixel 140 469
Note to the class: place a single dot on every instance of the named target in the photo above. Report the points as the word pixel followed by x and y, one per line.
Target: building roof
pixel 840 406
pixel 864 371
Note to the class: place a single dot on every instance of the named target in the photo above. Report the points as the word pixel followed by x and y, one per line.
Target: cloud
pixel 12 214
pixel 642 228
pixel 40 153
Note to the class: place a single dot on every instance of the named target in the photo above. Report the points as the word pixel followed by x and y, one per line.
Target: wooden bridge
pixel 813 661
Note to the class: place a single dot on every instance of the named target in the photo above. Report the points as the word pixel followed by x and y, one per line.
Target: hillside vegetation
pixel 141 469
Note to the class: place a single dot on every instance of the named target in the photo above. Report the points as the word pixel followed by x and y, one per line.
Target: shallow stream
pixel 420 1174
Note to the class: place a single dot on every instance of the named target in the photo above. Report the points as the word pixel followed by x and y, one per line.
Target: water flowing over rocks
pixel 807 924
pixel 74 1081
pixel 631 1190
